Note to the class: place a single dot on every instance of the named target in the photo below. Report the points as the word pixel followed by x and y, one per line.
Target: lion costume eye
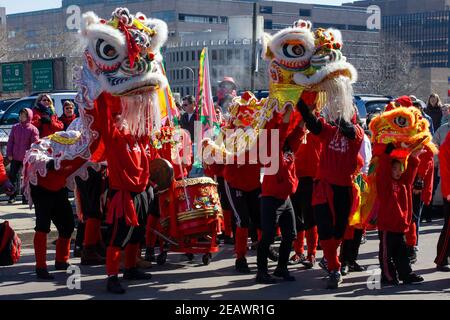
pixel 402 122
pixel 293 50
pixel 105 51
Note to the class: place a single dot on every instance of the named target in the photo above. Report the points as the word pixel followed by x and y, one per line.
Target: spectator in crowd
pixel 190 116
pixel 418 105
pixel 68 114
pixel 434 110
pixel 44 116
pixel 22 135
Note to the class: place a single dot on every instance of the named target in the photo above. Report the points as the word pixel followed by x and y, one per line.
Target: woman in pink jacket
pixel 21 137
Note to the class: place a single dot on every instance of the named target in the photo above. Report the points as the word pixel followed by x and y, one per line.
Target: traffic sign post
pixel 12 77
pixel 42 75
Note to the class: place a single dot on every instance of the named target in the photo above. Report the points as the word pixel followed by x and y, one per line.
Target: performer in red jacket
pixel 395 216
pixel 443 246
pixel 307 161
pixel 276 206
pixel 5 185
pixel 332 194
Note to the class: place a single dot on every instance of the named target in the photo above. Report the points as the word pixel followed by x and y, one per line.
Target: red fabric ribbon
pixel 133 48
pixel 122 205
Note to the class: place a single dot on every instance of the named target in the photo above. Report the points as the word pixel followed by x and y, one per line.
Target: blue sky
pixel 15 6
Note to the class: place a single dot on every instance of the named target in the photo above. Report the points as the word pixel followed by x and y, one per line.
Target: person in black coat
pixel 188 118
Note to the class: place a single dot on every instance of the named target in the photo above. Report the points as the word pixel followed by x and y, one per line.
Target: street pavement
pixel 181 279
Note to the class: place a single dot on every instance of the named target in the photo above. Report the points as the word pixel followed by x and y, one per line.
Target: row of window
pixel 268 10
pixel 215 54
pixel 202 19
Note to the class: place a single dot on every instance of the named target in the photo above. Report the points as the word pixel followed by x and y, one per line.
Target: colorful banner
pixel 167 104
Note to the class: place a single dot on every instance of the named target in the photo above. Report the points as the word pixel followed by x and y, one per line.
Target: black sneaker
pixel 296 259
pixel 61 265
pixel 265 278
pixel 309 262
pixel 324 264
pixel 136 274
pixel 386 282
pixel 42 273
pixel 283 273
pixel 273 254
pixel 412 278
pixel 241 265
pixel 355 267
pixel 113 285
pixel 150 254
pixel 344 269
pixel 334 280
pixel 444 268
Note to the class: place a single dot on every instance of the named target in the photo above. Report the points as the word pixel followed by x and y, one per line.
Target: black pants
pixel 350 248
pixel 302 203
pixel 393 256
pixel 15 171
pixel 245 206
pixel 443 247
pixel 417 212
pixel 342 200
pixel 53 206
pixel 119 233
pixel 276 211
pixel 90 192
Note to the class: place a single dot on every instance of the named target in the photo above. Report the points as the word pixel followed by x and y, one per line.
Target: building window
pixel 221 55
pixel 265 9
pixel 247 56
pixel 214 55
pixel 181 56
pixel 178 74
pixel 167 16
pixel 178 56
pixel 193 55
pixel 237 54
pixel 202 19
pixel 187 56
pixel 188 74
pixel 229 54
pixel 305 13
pixel 268 24
pixel 182 74
pixel 188 92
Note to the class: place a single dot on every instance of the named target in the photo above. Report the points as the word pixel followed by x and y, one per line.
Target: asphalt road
pixel 181 279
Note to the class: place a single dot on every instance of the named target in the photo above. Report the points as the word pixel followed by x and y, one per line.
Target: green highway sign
pixel 42 75
pixel 12 77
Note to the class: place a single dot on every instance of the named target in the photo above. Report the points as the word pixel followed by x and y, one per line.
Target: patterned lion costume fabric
pixel 301 60
pixel 408 130
pixel 120 75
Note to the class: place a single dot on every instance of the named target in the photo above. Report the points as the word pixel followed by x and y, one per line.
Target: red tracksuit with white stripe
pixel 443 247
pixel 395 216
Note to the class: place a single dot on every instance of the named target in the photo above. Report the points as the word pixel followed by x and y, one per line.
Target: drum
pixel 196 205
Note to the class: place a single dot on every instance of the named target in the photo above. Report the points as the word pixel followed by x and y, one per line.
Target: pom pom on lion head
pixel 312 60
pixel 123 53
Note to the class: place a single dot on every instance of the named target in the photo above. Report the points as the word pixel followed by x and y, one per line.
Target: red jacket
pixel 46 129
pixel 444 162
pixel 338 160
pixel 245 177
pixel 66 120
pixel 284 182
pixel 307 157
pixel 3 175
pixel 395 196
pixel 426 172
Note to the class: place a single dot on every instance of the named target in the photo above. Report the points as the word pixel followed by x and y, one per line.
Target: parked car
pixel 11 115
pixel 4 104
pixel 368 104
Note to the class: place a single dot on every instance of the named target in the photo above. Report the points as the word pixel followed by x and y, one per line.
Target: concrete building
pixel 47 33
pixel 423 28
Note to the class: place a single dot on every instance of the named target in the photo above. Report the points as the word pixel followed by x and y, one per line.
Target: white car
pixel 11 116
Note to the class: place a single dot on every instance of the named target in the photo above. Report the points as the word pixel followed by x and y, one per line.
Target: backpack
pixel 10 245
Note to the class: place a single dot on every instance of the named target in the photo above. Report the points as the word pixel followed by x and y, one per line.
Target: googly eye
pixel 293 50
pixel 402 122
pixel 105 50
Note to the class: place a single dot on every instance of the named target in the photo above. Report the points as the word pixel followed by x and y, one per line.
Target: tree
pixel 392 70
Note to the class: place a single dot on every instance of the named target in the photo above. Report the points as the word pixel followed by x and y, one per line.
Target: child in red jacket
pixel 395 215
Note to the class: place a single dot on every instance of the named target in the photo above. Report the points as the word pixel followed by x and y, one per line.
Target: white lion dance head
pixel 123 58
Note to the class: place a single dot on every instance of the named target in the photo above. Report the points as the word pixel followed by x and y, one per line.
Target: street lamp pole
pixel 193 79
